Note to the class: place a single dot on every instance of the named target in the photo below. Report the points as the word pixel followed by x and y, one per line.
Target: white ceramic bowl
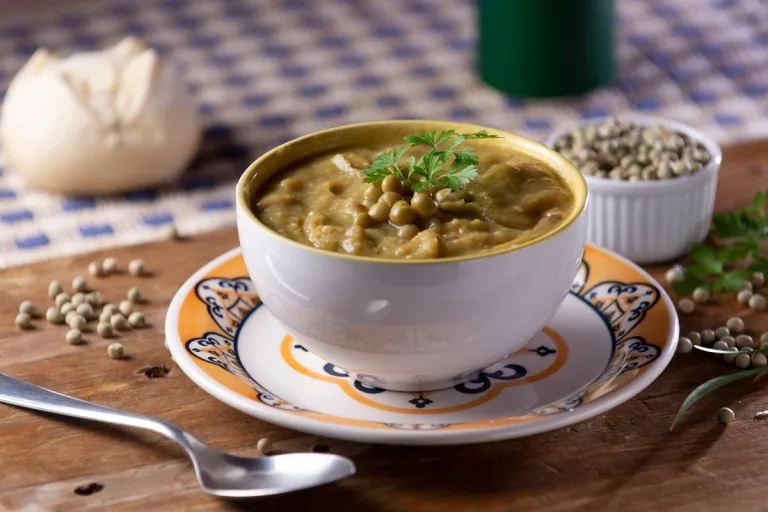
pixel 651 221
pixel 409 325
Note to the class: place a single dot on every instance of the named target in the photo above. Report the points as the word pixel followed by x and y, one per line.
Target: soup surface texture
pixel 323 202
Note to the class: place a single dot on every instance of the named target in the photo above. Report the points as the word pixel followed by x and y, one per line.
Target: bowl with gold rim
pixel 460 272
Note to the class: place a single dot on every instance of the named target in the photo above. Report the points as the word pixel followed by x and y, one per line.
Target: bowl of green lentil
pixel 652 183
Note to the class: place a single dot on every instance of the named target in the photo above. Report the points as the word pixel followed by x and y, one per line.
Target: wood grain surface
pixel 623 460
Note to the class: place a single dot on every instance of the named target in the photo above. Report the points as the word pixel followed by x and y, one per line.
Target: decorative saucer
pixel 614 334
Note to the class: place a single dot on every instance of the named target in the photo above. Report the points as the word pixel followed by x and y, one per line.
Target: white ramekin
pixel 409 325
pixel 651 221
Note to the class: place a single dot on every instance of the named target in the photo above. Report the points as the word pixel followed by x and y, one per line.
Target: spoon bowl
pixel 229 476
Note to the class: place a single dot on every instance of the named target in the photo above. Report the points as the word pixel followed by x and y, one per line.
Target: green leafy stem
pixel 737 254
pixel 448 167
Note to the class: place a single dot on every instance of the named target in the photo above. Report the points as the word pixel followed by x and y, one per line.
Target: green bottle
pixel 546 48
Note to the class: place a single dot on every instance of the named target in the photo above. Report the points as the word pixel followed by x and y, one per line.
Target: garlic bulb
pixel 98 122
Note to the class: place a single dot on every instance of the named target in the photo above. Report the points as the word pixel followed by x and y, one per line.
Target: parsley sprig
pixel 737 255
pixel 447 167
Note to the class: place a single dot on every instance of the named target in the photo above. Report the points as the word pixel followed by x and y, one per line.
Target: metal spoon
pixel 219 474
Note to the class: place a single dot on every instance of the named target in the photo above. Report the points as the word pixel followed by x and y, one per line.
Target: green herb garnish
pixel 447 167
pixel 712 385
pixel 737 255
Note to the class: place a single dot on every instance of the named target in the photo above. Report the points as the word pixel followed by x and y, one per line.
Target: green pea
pixel 379 212
pixel 401 213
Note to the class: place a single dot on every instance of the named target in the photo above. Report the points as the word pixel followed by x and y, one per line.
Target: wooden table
pixel 624 460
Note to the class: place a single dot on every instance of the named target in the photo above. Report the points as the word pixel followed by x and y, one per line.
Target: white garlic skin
pixel 99 122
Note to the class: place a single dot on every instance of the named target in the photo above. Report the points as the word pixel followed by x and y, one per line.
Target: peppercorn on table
pixel 624 460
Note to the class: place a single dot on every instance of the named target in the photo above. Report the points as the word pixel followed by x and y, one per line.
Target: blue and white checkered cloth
pixel 265 71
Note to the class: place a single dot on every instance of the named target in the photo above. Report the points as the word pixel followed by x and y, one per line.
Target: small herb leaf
pixel 697 271
pixel 734 281
pixel 456 179
pixel 686 287
pixel 706 258
pixel 701 253
pixel 482 134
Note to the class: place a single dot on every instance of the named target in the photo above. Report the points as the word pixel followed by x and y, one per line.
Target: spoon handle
pixel 24 394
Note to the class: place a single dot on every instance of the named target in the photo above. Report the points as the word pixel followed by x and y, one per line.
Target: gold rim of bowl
pixel 521 145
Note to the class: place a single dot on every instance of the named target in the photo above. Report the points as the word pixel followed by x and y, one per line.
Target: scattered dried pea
pixel 137 267
pixel 735 324
pixel 96 269
pixel 684 346
pixel 85 310
pixel 54 316
pixel 75 320
pixel 264 445
pixel 74 337
pixel 764 337
pixel 134 295
pixel 61 299
pixel 721 345
pixel 700 295
pixel 757 302
pixel 111 308
pixel 686 306
pixel 126 307
pixel 743 340
pixel 94 299
pixel 118 322
pixel 729 358
pixel 707 336
pixel 27 307
pixel 79 284
pixel 172 232
pixel 725 415
pixel 105 316
pixel 674 274
pixel 110 266
pixel 116 351
pixel 742 361
pixel 743 296
pixel 23 321
pixel 54 289
pixel 759 359
pixel 105 330
pixel 758 279
pixel 67 308
pixel 695 338
pixel 136 320
pixel 78 298
pixel 729 341
pixel 747 285
pixel 722 332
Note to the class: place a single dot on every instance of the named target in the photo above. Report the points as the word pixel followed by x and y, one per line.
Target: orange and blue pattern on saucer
pixel 213 312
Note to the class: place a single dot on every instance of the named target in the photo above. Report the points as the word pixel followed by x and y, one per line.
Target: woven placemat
pixel 266 71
